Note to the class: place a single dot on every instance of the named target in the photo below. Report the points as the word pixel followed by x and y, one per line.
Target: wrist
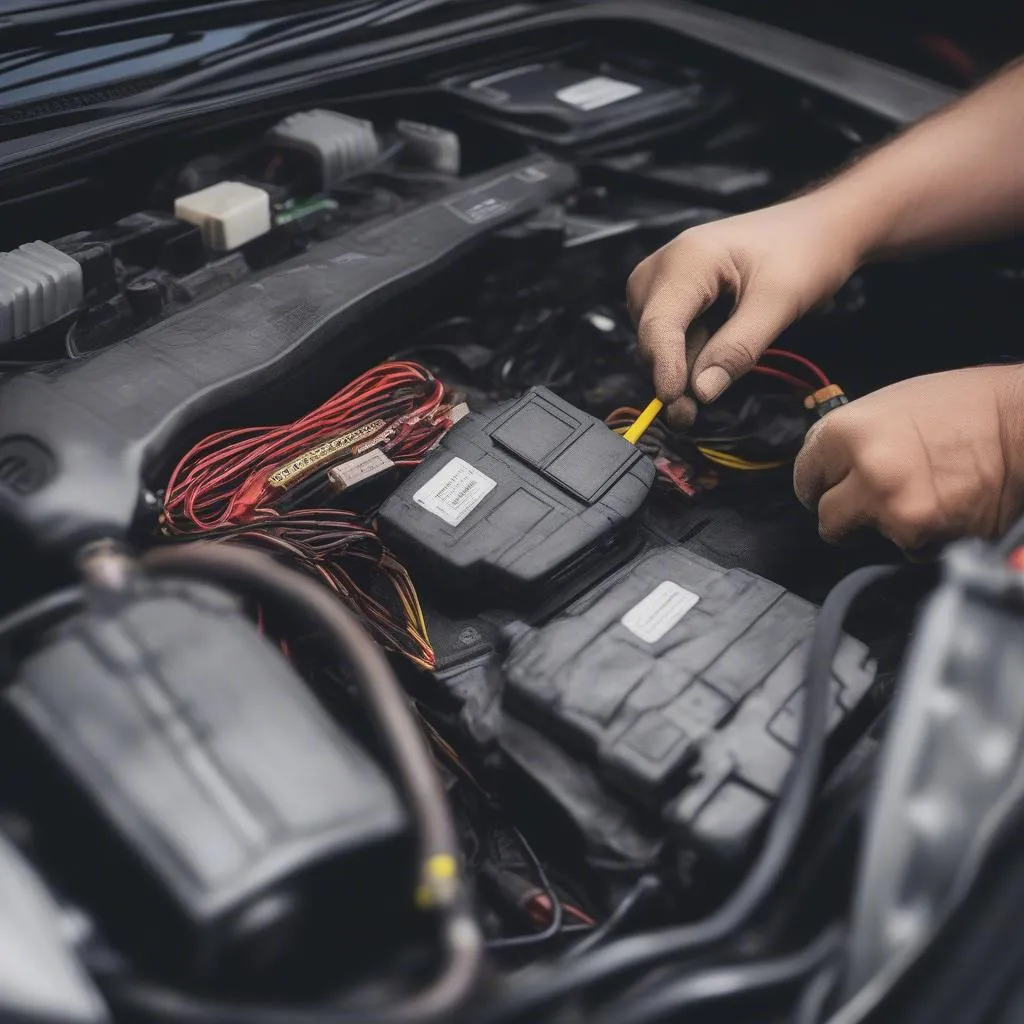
pixel 852 220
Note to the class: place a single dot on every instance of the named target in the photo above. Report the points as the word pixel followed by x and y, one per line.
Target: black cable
pixel 646 885
pixel 716 984
pixel 441 886
pixel 557 912
pixel 817 993
pixel 41 611
pixel 539 987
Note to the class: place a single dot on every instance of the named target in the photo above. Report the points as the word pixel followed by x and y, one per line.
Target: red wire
pixel 768 371
pixel 784 353
pixel 580 915
pixel 223 479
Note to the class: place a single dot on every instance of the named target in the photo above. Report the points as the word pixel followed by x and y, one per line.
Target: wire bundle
pixel 223 479
pixel 221 490
pixel 657 441
pixel 730 460
pixel 343 552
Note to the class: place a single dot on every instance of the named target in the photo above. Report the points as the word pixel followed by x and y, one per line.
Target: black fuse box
pixel 680 682
pixel 515 501
pixel 211 804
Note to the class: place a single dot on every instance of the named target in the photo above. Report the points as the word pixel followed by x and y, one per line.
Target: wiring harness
pixel 226 478
pixel 236 485
pixel 681 474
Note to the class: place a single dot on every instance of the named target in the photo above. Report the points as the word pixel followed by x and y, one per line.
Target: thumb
pixel 739 343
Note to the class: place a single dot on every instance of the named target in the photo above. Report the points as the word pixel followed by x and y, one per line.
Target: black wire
pixel 646 885
pixel 819 990
pixel 557 912
pixel 540 987
pixel 41 610
pixel 673 1000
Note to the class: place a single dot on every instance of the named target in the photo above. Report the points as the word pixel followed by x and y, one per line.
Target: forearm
pixel 956 177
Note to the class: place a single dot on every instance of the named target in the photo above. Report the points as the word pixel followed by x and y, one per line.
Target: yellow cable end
pixel 643 421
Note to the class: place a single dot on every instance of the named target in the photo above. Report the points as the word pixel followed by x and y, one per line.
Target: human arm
pixel 955 177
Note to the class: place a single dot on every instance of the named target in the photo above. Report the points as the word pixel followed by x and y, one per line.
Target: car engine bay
pixel 549 691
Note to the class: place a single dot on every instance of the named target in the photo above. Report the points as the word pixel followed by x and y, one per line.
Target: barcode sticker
pixel 454 491
pixel 362 467
pixel 659 611
pixel 597 92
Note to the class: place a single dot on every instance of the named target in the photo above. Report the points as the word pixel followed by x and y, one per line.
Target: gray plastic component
pixel 429 146
pixel 951 767
pixel 341 145
pixel 84 433
pixel 38 285
pixel 39 978
pixel 190 739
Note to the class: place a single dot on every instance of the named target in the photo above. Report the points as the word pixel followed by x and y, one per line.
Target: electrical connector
pixel 824 400
pixel 230 213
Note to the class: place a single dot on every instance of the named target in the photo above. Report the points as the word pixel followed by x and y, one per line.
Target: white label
pixel 597 92
pixel 453 492
pixel 458 412
pixel 659 611
pixel 361 468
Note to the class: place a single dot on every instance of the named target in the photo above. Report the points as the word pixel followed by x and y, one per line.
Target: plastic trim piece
pixel 38 285
pixel 952 768
pixel 895 95
pixel 102 423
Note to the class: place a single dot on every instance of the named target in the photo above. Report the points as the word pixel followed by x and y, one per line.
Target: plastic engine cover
pixel 681 682
pixel 211 773
pixel 77 442
pixel 514 498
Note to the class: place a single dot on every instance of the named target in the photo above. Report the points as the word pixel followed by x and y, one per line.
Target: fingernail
pixel 711 383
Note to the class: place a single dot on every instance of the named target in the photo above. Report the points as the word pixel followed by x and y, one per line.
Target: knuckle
pixel 880 471
pixel 731 354
pixel 829 532
pixel 693 252
pixel 910 524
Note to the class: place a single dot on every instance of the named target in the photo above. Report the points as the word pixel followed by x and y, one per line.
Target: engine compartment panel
pixel 404 369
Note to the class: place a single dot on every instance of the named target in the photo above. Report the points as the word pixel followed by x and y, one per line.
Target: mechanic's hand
pixel 924 460
pixel 777 263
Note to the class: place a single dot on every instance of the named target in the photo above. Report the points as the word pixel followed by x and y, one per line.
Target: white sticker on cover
pixel 659 611
pixel 454 491
pixel 597 92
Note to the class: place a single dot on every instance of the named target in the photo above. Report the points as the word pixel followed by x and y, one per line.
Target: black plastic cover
pixel 87 432
pixel 516 498
pixel 571 106
pixel 179 741
pixel 680 682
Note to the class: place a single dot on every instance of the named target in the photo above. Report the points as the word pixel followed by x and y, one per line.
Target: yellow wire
pixel 638 428
pixel 643 421
pixel 730 461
